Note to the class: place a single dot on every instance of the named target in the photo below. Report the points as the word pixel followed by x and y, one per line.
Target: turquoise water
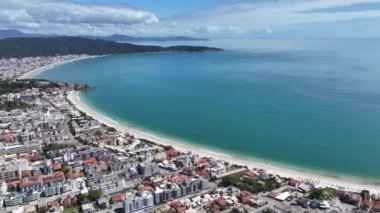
pixel 308 104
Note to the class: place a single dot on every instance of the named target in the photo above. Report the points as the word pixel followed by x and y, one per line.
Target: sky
pixel 196 18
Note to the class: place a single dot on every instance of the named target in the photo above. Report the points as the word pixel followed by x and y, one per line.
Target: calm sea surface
pixel 308 104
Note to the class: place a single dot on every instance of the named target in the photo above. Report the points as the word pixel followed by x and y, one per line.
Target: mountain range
pixel 115 37
pixel 49 46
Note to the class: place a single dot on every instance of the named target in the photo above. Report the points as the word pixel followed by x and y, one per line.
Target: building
pixel 148 169
pixel 19 149
pixel 11 171
pixel 51 189
pixel 14 199
pixel 111 183
pixel 90 153
pixel 168 191
pixel 32 196
pixel 139 203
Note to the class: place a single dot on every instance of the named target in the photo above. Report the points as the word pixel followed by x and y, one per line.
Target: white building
pixel 141 202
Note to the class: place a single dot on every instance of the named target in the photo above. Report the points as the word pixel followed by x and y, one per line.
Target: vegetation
pixel 323 194
pixel 83 199
pixel 29 47
pixel 268 210
pixel 94 194
pixel 66 169
pixel 199 168
pixel 167 148
pixel 12 86
pixel 111 129
pixel 231 180
pixel 71 209
pixel 11 105
pixel 148 142
pixel 53 146
pixel 249 184
pixel 271 184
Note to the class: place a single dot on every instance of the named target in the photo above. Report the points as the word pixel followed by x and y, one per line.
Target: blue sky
pixel 163 8
pixel 198 18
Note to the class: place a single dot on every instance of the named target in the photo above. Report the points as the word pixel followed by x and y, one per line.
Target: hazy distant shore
pixel 324 181
pixel 32 73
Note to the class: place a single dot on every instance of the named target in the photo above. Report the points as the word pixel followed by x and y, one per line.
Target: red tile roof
pixel 172 153
pixel 74 175
pixel 250 173
pixel 245 195
pixel 294 182
pixel 147 188
pixel 26 173
pixel 57 167
pixel 178 207
pixel 221 202
pixel 89 161
pixel 179 179
pixel 376 206
pixel 55 175
pixel 6 137
pixel 118 197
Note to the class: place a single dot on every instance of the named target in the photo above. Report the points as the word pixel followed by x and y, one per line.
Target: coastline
pixel 34 72
pixel 323 181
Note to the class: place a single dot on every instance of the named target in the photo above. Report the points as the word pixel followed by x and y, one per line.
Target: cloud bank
pixel 239 18
pixel 67 17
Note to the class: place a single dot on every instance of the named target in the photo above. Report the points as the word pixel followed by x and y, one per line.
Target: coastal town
pixel 17 67
pixel 56 158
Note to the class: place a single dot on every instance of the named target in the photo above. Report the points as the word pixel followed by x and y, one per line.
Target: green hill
pixel 26 47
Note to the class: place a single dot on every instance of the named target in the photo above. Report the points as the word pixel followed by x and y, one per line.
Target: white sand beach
pixel 34 72
pixel 323 181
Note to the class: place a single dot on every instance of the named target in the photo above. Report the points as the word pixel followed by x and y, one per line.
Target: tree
pixel 271 184
pixel 94 194
pixel 231 180
pixel 53 146
pixel 83 199
pixel 111 129
pixel 66 169
pixel 166 148
pixel 323 194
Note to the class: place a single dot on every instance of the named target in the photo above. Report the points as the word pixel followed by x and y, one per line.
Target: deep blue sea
pixel 310 104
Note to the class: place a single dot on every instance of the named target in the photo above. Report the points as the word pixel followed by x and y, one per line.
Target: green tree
pixel 83 199
pixel 94 194
pixel 111 129
pixel 66 169
pixel 231 180
pixel 271 184
pixel 166 148
pixel 323 193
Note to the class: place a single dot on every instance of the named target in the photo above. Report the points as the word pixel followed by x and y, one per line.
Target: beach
pixel 34 72
pixel 321 180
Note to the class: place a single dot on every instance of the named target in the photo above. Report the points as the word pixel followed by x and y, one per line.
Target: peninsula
pixel 33 47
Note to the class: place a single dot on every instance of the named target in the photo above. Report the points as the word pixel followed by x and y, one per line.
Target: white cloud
pixel 67 17
pixel 244 18
pixel 256 17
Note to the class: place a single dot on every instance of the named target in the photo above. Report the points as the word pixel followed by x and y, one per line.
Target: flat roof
pixel 282 196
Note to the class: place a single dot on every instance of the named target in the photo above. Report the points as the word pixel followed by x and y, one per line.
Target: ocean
pixel 307 104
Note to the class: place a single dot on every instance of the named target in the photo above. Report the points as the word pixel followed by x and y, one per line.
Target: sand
pixel 322 180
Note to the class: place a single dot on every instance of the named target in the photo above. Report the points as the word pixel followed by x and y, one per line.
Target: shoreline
pixel 323 181
pixel 32 73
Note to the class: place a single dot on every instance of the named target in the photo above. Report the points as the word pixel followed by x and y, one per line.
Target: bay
pixel 310 104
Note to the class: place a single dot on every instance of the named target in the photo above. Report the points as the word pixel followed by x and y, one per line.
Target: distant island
pixel 32 47
pixel 114 37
